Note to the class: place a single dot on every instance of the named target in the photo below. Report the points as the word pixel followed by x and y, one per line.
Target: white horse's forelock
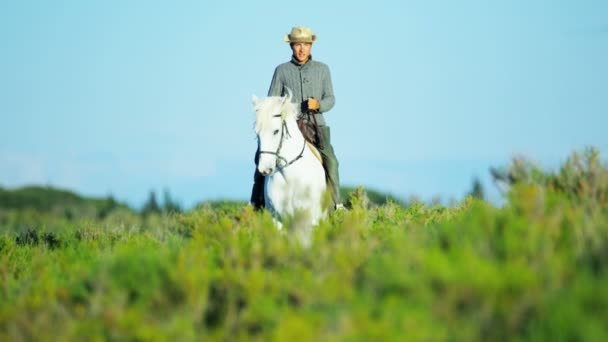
pixel 267 108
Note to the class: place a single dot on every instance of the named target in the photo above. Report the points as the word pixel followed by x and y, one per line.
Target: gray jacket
pixel 309 80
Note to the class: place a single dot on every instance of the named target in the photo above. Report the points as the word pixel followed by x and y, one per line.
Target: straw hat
pixel 300 34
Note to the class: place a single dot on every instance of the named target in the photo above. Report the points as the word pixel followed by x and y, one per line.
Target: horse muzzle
pixel 266 170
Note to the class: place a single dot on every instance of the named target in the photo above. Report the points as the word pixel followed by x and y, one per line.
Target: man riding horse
pixel 310 82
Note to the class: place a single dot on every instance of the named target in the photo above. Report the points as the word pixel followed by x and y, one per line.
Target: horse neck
pixel 292 146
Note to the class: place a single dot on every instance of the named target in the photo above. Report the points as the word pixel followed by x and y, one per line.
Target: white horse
pixel 294 177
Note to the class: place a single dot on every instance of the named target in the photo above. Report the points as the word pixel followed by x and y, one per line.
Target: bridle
pixel 284 133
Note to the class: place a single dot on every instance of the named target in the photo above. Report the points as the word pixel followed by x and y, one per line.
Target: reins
pixel 284 132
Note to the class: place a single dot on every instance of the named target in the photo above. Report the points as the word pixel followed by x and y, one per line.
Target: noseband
pixel 284 132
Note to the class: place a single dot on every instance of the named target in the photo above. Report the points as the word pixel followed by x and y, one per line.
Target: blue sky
pixel 122 97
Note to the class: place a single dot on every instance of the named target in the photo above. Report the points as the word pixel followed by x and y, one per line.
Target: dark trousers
pixel 330 164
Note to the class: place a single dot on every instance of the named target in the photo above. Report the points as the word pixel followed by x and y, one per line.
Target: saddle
pixel 310 131
pixel 315 151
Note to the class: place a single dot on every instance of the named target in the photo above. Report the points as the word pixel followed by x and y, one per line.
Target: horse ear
pixel 289 95
pixel 254 100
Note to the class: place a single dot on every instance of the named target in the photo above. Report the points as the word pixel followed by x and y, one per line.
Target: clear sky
pixel 122 97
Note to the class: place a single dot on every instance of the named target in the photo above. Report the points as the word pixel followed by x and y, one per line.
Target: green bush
pixel 534 268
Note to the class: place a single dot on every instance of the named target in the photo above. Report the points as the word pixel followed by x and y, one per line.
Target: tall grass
pixel 535 268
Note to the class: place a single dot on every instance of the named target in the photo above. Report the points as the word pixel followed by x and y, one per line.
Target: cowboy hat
pixel 300 34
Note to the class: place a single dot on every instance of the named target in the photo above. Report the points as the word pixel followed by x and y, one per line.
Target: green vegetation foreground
pixel 535 268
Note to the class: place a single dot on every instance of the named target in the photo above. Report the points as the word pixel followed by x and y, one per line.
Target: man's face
pixel 301 51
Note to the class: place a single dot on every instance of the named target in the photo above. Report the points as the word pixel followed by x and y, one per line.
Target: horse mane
pixel 268 107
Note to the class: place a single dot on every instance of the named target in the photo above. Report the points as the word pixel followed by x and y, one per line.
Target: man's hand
pixel 313 104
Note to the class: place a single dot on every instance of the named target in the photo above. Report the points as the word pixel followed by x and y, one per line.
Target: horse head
pixel 273 126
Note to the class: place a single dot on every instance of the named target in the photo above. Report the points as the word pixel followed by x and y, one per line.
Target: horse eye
pixel 276 131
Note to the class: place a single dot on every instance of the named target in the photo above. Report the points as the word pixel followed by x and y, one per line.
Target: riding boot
pixel 257 192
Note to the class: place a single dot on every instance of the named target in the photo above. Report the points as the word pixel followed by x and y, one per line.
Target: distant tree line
pixel 152 206
pixel 47 199
pixel 582 177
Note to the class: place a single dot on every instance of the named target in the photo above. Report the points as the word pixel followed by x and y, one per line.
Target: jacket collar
pixel 296 63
